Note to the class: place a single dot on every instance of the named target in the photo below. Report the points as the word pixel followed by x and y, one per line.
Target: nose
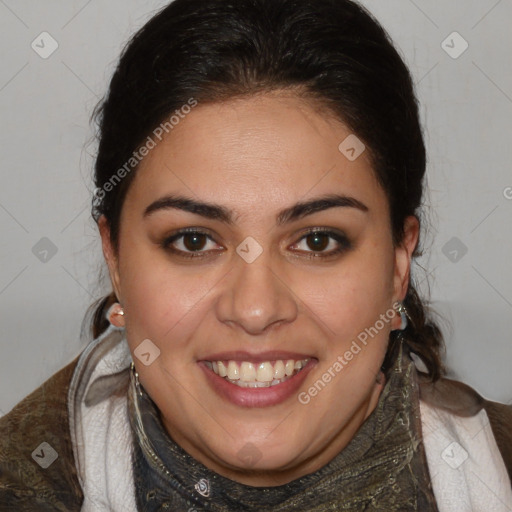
pixel 256 296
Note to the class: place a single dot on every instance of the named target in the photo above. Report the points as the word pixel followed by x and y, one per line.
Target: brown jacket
pixel 43 417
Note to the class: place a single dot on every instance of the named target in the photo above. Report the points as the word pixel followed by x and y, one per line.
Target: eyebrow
pixel 221 213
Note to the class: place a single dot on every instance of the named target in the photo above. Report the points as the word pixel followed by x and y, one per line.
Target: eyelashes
pixel 193 238
pixel 188 234
pixel 316 234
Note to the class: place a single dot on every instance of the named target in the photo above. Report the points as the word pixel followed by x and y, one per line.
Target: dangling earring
pixel 402 310
pixel 136 377
pixel 114 312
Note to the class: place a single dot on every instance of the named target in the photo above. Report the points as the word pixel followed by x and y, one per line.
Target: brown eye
pixel 189 243
pixel 194 241
pixel 317 241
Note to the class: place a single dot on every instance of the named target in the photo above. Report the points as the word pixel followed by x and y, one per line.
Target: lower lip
pixel 257 397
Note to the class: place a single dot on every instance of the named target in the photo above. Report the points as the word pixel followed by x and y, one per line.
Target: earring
pixel 402 310
pixel 136 377
pixel 114 312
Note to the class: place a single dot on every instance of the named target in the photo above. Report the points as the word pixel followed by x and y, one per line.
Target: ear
pixel 110 256
pixel 403 258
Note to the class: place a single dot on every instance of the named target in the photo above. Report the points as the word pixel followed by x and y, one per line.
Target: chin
pixel 252 457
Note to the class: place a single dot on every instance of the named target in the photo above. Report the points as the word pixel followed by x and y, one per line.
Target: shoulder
pixel 461 400
pixel 37 467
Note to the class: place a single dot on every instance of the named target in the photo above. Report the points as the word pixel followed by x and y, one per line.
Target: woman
pixel 259 176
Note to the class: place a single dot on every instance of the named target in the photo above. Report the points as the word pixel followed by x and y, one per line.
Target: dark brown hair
pixel 332 51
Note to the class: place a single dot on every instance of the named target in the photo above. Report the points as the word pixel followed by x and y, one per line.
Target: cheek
pixel 159 300
pixel 354 294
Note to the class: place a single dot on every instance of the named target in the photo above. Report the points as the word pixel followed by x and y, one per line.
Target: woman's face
pixel 254 290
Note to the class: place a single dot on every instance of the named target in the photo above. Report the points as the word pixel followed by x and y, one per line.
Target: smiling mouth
pixel 259 375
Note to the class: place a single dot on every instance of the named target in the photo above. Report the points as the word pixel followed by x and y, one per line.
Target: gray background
pixel 46 165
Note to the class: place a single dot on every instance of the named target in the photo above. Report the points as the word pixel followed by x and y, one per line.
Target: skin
pixel 256 156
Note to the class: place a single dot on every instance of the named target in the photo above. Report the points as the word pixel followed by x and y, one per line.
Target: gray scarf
pixel 382 468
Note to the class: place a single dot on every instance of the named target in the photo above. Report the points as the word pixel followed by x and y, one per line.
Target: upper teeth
pixel 266 371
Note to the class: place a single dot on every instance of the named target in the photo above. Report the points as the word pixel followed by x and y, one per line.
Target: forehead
pixel 255 152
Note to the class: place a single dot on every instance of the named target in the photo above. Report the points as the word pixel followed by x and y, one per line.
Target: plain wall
pixel 46 166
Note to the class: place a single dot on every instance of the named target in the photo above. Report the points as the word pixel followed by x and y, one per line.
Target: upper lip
pixel 242 355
